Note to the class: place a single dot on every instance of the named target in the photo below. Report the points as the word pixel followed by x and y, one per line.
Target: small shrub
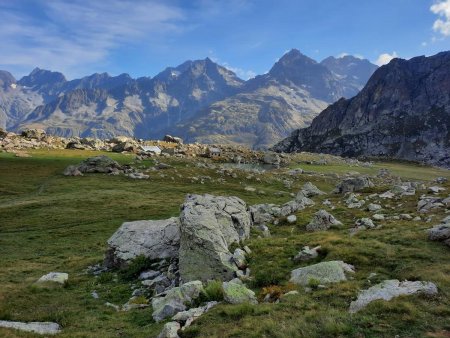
pixel 274 291
pixel 214 291
pixel 105 277
pixel 139 300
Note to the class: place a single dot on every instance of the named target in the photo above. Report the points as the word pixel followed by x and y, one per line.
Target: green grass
pixel 54 223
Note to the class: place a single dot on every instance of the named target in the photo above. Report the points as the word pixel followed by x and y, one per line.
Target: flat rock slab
pixel 324 273
pixel 390 289
pixel 36 327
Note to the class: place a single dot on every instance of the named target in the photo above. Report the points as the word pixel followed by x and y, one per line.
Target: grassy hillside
pixel 54 223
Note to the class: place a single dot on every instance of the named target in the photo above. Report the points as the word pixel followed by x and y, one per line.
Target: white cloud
pixel 242 73
pixel 385 58
pixel 81 33
pixel 442 25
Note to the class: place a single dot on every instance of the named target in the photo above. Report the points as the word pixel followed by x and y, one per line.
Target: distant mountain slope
pixel 140 108
pixel 403 112
pixel 269 106
pixel 199 100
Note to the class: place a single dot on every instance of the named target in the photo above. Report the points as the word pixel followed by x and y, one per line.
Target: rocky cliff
pixel 403 112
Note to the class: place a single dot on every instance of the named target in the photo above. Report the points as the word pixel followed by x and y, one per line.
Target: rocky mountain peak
pixel 6 79
pixel 42 78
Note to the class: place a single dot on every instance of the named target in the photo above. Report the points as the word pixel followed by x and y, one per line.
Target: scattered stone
pixel 378 217
pixel 322 220
pixel 236 293
pixel 149 274
pixel 36 327
pixel 427 203
pixel 436 189
pixel 441 232
pixel 366 223
pixel 95 295
pixel 374 207
pixel 239 258
pixel 388 194
pixel 323 273
pixel 291 219
pixel 390 289
pixel 152 239
pixel 406 217
pixel 353 202
pixel 170 330
pixel 307 254
pixel 310 190
pixel 175 300
pixel 54 277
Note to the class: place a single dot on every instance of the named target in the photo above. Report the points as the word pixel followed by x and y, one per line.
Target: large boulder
pixel 352 184
pixel 176 300
pixel 152 239
pixel 323 273
pixel 322 220
pixel 390 289
pixel 209 225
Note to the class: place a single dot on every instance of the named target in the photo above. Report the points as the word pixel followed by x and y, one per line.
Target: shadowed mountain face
pixel 198 100
pixel 403 112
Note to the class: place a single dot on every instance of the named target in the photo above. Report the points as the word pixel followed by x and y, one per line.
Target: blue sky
pixel 142 37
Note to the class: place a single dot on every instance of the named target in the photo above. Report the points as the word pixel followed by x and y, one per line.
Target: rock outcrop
pixel 403 112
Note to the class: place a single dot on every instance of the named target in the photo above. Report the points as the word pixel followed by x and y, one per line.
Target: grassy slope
pixel 54 223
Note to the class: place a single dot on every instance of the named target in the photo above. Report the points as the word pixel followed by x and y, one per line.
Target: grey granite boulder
pixel 324 273
pixel 152 239
pixel 209 225
pixel 322 220
pixel 390 289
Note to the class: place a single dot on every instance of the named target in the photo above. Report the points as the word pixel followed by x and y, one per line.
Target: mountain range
pixel 197 100
pixel 403 112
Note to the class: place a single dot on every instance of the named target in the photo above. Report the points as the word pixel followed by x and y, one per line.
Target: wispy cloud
pixel 81 32
pixel 385 58
pixel 442 24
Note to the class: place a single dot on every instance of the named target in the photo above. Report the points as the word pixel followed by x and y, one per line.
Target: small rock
pixel 46 328
pixel 322 220
pixel 236 293
pixel 54 277
pixel 292 219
